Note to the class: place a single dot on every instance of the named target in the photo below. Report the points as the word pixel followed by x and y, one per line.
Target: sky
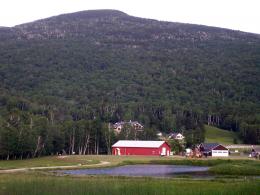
pixel 243 15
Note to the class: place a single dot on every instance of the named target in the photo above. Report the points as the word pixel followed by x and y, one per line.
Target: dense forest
pixel 64 80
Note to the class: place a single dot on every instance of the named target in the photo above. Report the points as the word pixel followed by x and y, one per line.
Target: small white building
pixel 214 150
pixel 177 136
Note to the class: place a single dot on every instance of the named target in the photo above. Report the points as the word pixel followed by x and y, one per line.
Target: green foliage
pixel 176 146
pixel 105 66
pixel 250 133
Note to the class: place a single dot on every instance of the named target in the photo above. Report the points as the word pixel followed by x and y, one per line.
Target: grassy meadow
pixel 30 184
pixel 229 177
pixel 47 161
pixel 216 135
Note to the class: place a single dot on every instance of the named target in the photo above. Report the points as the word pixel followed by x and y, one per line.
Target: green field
pixel 230 177
pixel 41 184
pixel 216 135
pixel 47 161
pixel 75 160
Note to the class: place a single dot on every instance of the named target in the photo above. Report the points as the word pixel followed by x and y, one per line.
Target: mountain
pixel 107 64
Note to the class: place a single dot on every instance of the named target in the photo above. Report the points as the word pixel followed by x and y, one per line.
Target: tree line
pixel 28 130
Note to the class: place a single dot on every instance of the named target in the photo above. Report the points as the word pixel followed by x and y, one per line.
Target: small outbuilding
pixel 148 148
pixel 176 136
pixel 214 150
pixel 134 124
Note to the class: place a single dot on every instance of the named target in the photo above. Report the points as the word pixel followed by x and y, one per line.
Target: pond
pixel 143 170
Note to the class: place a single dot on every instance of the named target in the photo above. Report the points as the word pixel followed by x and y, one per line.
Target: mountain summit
pixel 116 23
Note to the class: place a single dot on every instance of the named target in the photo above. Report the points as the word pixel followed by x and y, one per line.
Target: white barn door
pixel 118 151
pixel 163 151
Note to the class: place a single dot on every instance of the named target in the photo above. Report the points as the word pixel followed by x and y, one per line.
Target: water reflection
pixel 141 170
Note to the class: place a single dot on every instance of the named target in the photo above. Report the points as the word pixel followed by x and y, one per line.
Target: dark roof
pixel 209 146
pixel 174 134
pixel 257 149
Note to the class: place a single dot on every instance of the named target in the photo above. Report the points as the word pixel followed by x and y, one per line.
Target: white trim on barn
pixel 138 144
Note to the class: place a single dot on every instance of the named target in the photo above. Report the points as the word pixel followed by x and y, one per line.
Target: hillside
pixel 216 135
pixel 84 56
pixel 63 74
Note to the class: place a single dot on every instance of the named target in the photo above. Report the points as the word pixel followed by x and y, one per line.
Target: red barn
pixel 149 148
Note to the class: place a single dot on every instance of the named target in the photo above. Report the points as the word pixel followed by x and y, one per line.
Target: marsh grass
pixel 237 168
pixel 30 184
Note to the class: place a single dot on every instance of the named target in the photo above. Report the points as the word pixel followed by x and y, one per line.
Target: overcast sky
pixel 241 15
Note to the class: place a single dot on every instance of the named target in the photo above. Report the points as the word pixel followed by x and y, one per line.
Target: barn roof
pixel 138 144
pixel 212 146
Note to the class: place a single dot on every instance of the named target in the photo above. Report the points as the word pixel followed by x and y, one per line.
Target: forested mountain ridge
pixel 106 65
pixel 95 40
pixel 120 25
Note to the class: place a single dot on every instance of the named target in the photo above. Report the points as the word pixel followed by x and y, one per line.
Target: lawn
pixel 74 160
pixel 216 135
pixel 41 184
pixel 47 162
